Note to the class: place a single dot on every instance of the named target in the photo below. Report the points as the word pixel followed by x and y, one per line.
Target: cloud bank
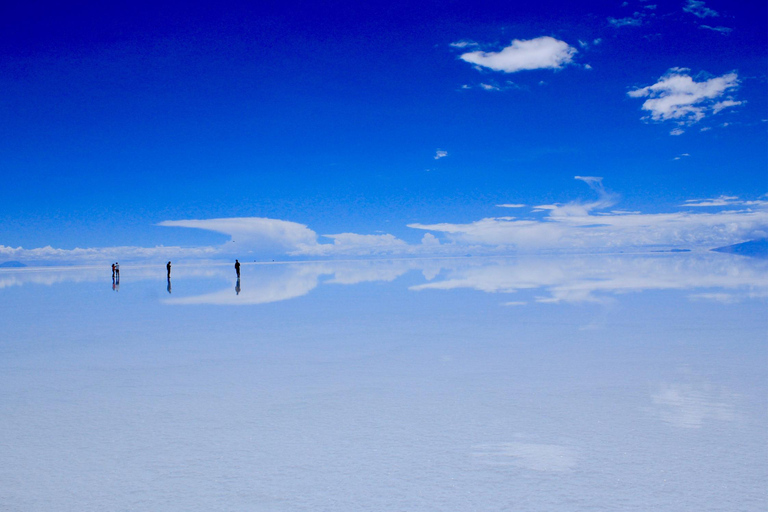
pixel 581 226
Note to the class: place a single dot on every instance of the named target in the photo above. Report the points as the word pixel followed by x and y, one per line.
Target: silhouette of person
pixel 237 287
pixel 113 271
pixel 237 268
pixel 168 267
pixel 117 271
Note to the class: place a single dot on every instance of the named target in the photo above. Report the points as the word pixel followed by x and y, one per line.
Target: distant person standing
pixel 168 267
pixel 117 270
pixel 113 271
pixel 237 268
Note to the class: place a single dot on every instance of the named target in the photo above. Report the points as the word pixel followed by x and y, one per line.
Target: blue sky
pixel 380 124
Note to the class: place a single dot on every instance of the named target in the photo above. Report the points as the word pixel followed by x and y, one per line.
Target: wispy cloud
pixel 723 30
pixel 440 154
pixel 539 53
pixel 678 97
pixel 699 9
pixel 630 21
pixel 464 44
pixel 510 205
pixel 724 201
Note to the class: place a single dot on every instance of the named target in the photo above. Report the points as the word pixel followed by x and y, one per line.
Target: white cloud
pixel 440 154
pixel 697 8
pixel 510 205
pixel 489 87
pixel 540 53
pixel 681 156
pixel 676 131
pixel 678 97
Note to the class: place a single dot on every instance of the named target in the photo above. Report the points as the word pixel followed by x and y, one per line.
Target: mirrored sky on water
pixel 632 382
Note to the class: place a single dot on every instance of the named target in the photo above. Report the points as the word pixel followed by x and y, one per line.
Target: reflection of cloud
pixel 536 457
pixel 689 405
pixel 553 279
pixel 277 284
pixel 597 278
pixel 539 53
pixel 49 276
pixel 273 283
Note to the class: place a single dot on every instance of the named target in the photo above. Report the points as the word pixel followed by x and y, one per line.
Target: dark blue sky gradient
pixel 114 118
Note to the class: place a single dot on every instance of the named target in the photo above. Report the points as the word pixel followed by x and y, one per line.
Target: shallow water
pixel 551 383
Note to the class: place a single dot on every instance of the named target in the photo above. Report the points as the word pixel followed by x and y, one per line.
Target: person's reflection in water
pixel 237 286
pixel 114 288
pixel 169 284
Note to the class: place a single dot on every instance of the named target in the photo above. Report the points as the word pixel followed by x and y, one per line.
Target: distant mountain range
pixel 12 264
pixel 754 248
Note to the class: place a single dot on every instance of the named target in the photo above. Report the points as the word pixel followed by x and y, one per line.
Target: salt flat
pixel 633 382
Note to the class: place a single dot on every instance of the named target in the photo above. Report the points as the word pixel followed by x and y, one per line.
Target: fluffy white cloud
pixel 540 53
pixel 250 233
pixel 678 97
pixel 698 9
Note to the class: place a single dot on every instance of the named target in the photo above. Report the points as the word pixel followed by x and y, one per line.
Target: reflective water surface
pixel 620 382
